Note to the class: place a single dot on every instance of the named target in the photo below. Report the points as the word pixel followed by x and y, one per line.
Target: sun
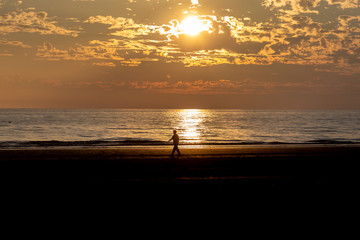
pixel 193 26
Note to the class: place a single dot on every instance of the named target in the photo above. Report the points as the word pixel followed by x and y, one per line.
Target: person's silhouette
pixel 175 139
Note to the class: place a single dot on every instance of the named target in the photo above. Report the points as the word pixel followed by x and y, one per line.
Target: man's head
pixel 174 131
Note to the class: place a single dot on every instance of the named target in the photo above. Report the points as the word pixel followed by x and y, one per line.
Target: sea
pixel 38 128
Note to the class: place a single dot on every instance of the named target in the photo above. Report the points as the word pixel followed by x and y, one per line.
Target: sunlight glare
pixel 192 124
pixel 193 26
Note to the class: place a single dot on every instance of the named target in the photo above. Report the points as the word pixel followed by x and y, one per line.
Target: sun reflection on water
pixel 191 125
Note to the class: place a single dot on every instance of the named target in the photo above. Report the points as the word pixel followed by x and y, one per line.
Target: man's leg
pixel 177 149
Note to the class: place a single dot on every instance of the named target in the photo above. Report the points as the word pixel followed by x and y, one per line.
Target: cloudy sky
pixel 251 54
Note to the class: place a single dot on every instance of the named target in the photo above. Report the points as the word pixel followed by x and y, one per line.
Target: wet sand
pixel 231 170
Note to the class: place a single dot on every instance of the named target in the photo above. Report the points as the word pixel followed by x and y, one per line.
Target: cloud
pixel 308 6
pixel 31 22
pixel 14 43
pixel 195 86
pixel 222 33
pixel 105 64
pixel 126 27
pixel 5 45
pixel 295 5
pixel 79 53
pixel 296 39
pixel 295 35
pixel 226 32
pixel 243 85
pixel 112 50
pixel 203 86
pixel 344 3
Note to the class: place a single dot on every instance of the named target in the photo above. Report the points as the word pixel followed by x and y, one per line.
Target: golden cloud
pixel 14 43
pixel 79 53
pixel 198 86
pixel 105 64
pixel 31 22
pixel 128 28
pixel 293 37
pixel 308 6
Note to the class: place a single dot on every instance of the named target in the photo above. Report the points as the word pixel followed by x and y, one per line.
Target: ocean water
pixel 89 128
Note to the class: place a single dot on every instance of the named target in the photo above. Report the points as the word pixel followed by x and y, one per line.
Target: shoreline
pixel 156 144
pixel 185 146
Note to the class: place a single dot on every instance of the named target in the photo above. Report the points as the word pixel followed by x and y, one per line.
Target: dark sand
pixel 232 170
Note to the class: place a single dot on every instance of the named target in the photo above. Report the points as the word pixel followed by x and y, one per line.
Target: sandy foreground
pixel 200 169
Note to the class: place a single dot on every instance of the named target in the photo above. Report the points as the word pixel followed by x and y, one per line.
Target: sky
pixel 232 54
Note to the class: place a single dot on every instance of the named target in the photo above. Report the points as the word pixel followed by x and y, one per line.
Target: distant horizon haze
pixel 169 101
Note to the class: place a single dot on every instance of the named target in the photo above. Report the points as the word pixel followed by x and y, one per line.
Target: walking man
pixel 175 139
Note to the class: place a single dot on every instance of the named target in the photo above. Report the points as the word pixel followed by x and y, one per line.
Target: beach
pixel 229 170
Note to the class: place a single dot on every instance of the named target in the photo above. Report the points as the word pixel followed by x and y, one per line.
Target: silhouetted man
pixel 175 139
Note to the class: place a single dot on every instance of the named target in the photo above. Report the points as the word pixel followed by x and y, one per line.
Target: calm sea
pixel 88 128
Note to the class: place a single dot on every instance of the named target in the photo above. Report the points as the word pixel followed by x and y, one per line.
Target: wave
pixel 331 141
pixel 95 143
